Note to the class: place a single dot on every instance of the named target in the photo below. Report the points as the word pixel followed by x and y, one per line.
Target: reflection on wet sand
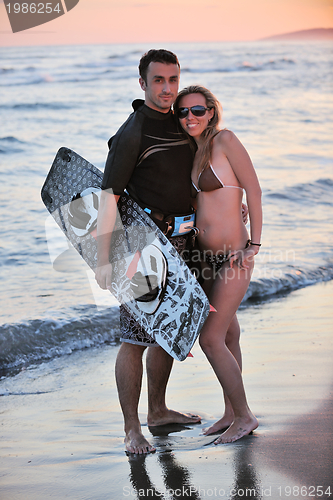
pixel 177 477
pixel 246 482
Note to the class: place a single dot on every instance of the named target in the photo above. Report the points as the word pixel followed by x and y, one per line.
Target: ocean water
pixel 277 98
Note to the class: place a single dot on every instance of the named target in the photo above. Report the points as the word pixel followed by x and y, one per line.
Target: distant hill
pixel 306 35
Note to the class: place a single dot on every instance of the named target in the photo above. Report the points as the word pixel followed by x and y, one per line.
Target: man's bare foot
pixel 239 428
pixel 173 417
pixel 219 426
pixel 135 442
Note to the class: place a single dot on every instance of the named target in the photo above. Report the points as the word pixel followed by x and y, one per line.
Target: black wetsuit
pixel 151 158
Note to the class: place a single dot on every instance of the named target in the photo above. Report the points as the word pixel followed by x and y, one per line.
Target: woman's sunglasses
pixel 195 110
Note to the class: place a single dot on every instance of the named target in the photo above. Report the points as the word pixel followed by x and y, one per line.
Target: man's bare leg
pixel 129 379
pixel 159 364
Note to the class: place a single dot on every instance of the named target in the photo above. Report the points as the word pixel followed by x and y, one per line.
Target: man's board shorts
pixel 130 331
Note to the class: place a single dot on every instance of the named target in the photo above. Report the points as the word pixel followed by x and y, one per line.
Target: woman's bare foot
pixel 173 417
pixel 135 442
pixel 239 428
pixel 219 426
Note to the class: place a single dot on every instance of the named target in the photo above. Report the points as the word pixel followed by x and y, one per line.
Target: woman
pixel 222 169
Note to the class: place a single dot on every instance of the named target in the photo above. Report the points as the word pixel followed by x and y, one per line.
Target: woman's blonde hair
pixel 213 126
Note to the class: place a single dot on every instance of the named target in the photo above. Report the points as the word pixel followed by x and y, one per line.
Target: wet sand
pixel 61 425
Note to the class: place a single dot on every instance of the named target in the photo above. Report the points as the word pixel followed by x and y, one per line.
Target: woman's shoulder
pixel 224 138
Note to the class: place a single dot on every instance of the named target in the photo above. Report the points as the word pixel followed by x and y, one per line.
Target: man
pixel 150 158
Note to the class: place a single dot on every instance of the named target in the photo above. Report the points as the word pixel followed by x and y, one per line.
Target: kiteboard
pixel 149 277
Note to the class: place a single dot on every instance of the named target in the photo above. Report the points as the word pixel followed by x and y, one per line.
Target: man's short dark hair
pixel 156 55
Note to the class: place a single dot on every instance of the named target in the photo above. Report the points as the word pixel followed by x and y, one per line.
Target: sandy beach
pixel 61 425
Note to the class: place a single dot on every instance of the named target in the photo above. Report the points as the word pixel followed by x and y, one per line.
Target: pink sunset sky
pixel 130 21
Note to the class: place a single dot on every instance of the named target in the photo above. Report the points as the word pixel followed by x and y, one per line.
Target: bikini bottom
pixel 215 262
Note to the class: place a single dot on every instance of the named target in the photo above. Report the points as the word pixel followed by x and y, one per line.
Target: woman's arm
pixel 242 166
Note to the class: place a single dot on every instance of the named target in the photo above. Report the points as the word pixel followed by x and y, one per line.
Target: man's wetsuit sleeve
pixel 123 154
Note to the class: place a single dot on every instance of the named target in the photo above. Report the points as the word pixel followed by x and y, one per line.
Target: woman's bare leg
pixel 232 342
pixel 226 294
